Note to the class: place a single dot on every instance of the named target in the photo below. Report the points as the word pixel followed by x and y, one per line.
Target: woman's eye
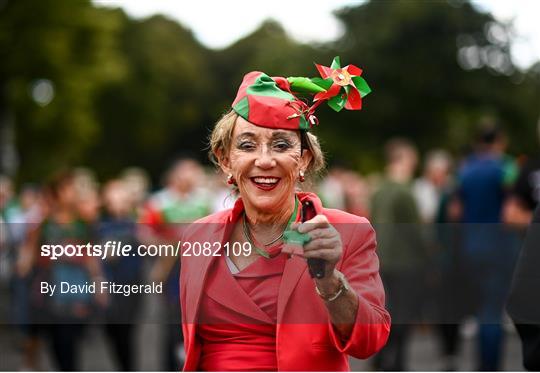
pixel 246 145
pixel 282 145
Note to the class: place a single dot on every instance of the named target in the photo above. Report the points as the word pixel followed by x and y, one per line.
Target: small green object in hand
pixel 294 237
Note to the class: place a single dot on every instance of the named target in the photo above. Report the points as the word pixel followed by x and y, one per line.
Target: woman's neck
pixel 269 221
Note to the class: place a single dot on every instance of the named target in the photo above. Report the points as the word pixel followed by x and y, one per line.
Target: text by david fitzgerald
pixel 101 287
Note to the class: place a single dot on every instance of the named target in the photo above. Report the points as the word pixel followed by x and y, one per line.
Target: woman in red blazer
pixel 247 303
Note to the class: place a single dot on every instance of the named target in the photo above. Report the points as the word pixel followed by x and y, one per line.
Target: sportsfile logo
pixel 108 249
pixel 118 249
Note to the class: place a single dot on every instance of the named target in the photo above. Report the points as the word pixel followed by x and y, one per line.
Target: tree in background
pixel 161 105
pixel 54 56
pixel 138 92
pixel 436 69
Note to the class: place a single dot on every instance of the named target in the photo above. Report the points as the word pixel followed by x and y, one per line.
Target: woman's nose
pixel 265 159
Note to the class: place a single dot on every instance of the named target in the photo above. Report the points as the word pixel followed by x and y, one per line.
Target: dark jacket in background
pixel 524 301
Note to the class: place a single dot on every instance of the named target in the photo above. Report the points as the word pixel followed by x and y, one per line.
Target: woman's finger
pixel 321 233
pixel 322 243
pixel 319 221
pixel 329 255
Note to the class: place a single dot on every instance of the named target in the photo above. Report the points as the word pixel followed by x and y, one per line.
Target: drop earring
pixel 302 177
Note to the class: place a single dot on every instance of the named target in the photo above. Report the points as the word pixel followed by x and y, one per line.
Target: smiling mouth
pixel 265 183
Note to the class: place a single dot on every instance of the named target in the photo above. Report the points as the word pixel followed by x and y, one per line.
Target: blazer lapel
pixel 294 269
pixel 196 280
pixel 198 271
pixel 200 265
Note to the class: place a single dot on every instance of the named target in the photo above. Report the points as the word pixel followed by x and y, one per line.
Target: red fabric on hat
pixel 282 83
pixel 272 112
pixel 249 79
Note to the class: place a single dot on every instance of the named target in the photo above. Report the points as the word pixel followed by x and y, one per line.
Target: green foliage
pixel 73 45
pixel 138 92
pixel 159 107
pixel 409 52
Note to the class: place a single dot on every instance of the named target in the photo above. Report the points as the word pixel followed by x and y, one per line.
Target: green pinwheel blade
pixel 337 102
pixel 302 84
pixel 362 85
pixel 336 63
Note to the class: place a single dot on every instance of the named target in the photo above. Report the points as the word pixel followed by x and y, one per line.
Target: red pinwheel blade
pixel 353 70
pixel 324 71
pixel 331 92
pixel 354 101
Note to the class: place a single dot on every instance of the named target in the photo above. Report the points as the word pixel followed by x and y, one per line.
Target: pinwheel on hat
pixel 271 101
pixel 344 87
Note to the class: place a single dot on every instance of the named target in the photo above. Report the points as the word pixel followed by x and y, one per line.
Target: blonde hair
pixel 221 137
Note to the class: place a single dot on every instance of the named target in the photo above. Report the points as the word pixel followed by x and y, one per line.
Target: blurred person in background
pixel 7 209
pixel 12 229
pixel 16 214
pixel 499 148
pixel 524 303
pixel 525 194
pixel 223 197
pixel 331 188
pixel 345 189
pixel 183 200
pixel 401 249
pixel 137 182
pixel 356 193
pixel 435 194
pixel 6 194
pixel 88 206
pixel 61 316
pixel 488 250
pixel 24 217
pixel 428 189
pixel 26 208
pixel 118 223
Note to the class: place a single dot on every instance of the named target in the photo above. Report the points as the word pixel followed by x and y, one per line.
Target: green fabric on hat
pixel 266 86
pixel 242 107
pixel 304 125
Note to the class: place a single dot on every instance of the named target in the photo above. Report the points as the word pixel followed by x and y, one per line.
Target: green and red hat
pixel 271 102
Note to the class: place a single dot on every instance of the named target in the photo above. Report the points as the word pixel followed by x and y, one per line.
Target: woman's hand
pixel 326 244
pixel 325 241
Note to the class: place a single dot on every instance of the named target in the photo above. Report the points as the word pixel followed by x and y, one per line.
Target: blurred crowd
pixel 447 243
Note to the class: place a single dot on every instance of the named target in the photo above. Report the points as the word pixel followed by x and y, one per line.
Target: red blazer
pixel 305 338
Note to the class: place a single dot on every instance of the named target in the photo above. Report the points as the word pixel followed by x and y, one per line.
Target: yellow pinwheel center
pixel 341 77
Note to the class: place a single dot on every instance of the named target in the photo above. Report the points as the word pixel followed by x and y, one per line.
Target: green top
pixel 397 221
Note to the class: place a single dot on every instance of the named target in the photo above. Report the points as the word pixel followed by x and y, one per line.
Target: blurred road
pixel 95 357
pixel 423 352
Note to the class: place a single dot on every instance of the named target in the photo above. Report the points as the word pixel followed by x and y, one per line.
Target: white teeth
pixel 266 180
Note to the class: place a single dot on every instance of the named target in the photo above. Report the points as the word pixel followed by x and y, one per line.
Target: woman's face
pixel 266 164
